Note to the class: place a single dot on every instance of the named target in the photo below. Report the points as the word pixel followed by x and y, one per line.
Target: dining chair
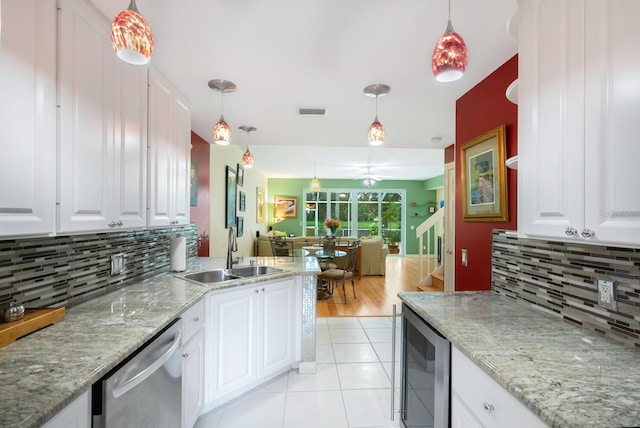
pixel 280 246
pixel 329 250
pixel 347 272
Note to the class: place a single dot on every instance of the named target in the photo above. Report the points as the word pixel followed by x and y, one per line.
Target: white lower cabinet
pixel 193 364
pixel 250 338
pixel 75 415
pixel 479 401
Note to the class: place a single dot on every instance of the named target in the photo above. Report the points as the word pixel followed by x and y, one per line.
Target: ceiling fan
pixel 370 179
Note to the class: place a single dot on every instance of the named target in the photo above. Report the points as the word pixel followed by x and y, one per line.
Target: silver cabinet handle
pixel 185 355
pixel 196 319
pixel 488 408
pixel 119 223
pixel 570 231
pixel 257 291
pixel 587 233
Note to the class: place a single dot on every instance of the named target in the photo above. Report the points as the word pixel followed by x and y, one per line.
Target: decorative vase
pixel 333 231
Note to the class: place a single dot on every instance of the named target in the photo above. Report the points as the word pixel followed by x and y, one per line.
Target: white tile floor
pixel 351 388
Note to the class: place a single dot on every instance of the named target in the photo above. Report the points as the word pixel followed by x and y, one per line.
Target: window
pixel 361 212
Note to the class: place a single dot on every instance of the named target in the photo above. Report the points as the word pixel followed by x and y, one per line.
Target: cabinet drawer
pixel 488 401
pixel 193 320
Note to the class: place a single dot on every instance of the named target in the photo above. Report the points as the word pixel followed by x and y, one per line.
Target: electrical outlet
pixel 117 263
pixel 607 294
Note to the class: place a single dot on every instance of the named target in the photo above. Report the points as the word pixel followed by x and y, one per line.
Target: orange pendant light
pixel 247 157
pixel 376 130
pixel 450 55
pixel 222 130
pixel 131 36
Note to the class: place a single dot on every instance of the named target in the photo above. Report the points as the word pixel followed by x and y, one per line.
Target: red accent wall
pixel 482 109
pixel 200 214
pixel 449 154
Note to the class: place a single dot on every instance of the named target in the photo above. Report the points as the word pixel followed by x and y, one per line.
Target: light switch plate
pixel 464 257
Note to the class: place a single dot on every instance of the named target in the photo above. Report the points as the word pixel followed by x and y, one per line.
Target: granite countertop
pixel 566 375
pixel 42 373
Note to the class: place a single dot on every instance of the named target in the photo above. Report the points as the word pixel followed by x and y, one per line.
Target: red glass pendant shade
pixel 131 36
pixel 376 133
pixel 450 56
pixel 247 159
pixel 222 132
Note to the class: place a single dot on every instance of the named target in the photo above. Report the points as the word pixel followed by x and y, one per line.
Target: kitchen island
pixel 565 375
pixel 42 373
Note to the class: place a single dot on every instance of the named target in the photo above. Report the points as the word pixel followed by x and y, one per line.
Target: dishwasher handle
pixel 138 378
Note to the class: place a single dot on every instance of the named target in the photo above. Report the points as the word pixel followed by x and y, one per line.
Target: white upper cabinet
pixel 578 109
pixel 102 132
pixel 27 117
pixel 169 153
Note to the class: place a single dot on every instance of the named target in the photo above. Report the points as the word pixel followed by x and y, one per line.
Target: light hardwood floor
pixel 375 295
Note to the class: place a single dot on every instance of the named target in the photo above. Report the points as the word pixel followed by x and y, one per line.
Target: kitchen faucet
pixel 232 245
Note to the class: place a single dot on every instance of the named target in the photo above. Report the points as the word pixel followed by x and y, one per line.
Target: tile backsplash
pixel 560 278
pixel 66 270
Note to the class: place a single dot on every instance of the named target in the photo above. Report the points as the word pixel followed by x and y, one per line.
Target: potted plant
pixel 393 239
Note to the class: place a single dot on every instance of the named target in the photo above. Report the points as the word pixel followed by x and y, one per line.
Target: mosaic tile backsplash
pixel 561 278
pixel 66 270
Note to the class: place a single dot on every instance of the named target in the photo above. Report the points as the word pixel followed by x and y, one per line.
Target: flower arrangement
pixel 332 223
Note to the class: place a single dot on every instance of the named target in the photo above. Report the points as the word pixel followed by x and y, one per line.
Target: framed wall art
pixel 259 205
pixel 240 230
pixel 484 177
pixel 285 207
pixel 240 175
pixel 230 213
pixel 243 200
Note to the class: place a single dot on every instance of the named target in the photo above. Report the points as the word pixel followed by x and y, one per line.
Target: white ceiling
pixel 286 54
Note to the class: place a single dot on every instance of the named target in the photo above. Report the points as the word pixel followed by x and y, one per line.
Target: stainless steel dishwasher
pixel 145 390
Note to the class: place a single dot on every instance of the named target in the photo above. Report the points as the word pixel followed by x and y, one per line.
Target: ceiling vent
pixel 313 112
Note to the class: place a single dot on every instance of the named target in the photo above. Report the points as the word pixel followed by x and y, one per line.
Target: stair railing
pixel 427 234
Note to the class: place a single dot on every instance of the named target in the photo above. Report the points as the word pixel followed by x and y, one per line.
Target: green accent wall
pixel 416 191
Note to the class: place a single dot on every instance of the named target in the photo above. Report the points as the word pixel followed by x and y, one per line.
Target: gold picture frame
pixel 484 177
pixel 285 207
pixel 259 205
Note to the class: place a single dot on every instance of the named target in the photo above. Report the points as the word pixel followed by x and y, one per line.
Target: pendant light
pixel 315 183
pixel 131 36
pixel 221 130
pixel 247 157
pixel 376 130
pixel 450 56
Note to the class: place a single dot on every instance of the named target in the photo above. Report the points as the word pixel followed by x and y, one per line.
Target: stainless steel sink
pixel 248 271
pixel 211 276
pixel 220 275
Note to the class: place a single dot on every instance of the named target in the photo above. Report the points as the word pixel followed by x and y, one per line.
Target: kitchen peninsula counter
pixel 42 373
pixel 566 375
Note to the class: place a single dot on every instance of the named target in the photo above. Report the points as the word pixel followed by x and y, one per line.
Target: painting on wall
pixel 240 175
pixel 285 207
pixel 240 230
pixel 484 177
pixel 259 205
pixel 243 200
pixel 230 214
pixel 193 184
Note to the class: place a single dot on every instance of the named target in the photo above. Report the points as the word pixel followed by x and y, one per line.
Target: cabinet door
pixel 27 117
pixel 551 117
pixel 275 345
pixel 612 117
pixel 192 379
pixel 169 153
pixel 231 348
pixel 130 146
pixel 75 415
pixel 461 417
pixel 181 200
pixel 86 131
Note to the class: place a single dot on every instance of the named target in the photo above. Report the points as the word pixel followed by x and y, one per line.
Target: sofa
pixel 371 260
